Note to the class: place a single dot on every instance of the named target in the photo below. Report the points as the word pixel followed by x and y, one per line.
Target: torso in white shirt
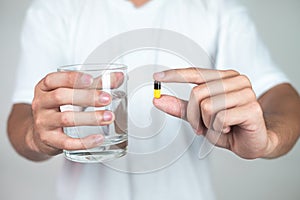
pixel 90 23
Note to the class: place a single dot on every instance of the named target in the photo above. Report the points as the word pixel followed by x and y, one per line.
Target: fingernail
pixel 86 79
pixel 98 139
pixel 158 75
pixel 107 116
pixel 104 97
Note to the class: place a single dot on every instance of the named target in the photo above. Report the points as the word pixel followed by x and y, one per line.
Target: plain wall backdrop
pixel 278 23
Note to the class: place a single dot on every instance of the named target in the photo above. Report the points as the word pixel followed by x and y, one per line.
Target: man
pixel 258 120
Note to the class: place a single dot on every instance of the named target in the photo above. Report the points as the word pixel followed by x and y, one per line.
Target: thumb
pixel 171 105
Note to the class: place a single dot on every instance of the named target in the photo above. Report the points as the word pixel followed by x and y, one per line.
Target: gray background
pixel 279 25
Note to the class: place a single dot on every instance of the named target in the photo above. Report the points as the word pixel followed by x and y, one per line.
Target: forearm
pixel 281 107
pixel 20 132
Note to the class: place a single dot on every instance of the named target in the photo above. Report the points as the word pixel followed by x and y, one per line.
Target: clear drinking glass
pixel 115 143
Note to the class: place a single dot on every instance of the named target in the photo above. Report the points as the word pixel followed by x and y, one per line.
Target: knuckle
pixel 66 119
pixel 220 121
pixel 197 90
pixel 35 104
pixel 47 80
pixel 232 71
pixel 37 87
pixel 194 91
pixel 206 106
pixel 250 93
pixel 39 122
pixel 245 79
pixel 256 108
pixel 57 95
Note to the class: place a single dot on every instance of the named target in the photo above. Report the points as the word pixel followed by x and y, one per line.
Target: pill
pixel 157 88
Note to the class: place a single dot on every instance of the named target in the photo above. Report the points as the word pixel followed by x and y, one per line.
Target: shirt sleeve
pixel 43 48
pixel 241 49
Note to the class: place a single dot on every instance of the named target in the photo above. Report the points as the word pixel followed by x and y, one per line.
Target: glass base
pixel 93 156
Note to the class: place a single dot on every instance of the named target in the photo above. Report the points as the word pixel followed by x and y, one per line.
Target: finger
pixel 193 75
pixel 210 89
pixel 179 108
pixel 80 80
pixel 65 79
pixel 204 91
pixel 79 97
pixel 60 140
pixel 70 119
pixel 171 105
pixel 217 87
pixel 97 118
pixel 193 115
pixel 246 117
pixel 212 105
pixel 121 118
pixel 217 138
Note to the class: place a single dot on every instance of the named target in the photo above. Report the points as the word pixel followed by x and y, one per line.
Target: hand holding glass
pixel 112 79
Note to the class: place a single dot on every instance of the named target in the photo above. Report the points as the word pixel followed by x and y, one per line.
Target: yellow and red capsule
pixel 157 88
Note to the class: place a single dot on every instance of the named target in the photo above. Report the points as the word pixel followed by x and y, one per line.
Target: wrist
pixel 272 144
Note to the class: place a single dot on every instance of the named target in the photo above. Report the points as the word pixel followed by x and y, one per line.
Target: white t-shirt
pixel 63 32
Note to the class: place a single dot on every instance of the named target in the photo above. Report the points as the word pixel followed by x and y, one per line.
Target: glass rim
pixel 93 67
